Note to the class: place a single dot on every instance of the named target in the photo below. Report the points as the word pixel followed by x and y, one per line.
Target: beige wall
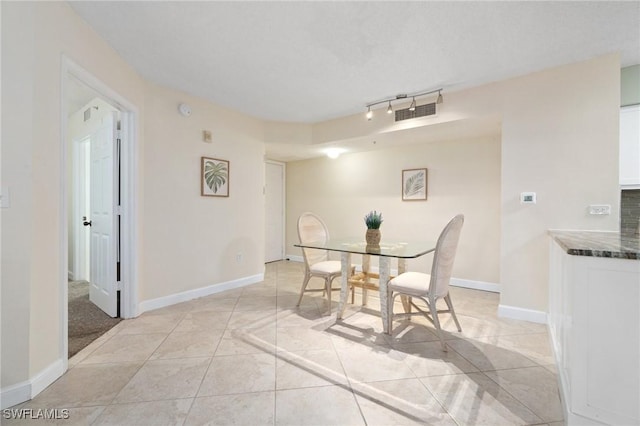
pixel 34 37
pixel 463 177
pixel 559 139
pixel 192 241
pixel 184 241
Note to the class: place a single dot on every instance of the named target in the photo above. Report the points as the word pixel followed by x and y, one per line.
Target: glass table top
pixel 389 248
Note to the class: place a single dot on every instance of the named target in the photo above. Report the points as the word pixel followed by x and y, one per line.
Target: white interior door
pixel 274 211
pixel 81 209
pixel 103 285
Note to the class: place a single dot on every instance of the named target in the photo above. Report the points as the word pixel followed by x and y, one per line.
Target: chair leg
pixel 307 277
pixel 436 322
pixel 447 299
pixel 327 289
pixel 406 304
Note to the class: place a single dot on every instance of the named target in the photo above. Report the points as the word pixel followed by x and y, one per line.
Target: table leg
pixel 384 295
pixel 345 259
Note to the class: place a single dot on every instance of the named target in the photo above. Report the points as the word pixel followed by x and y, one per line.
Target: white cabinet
pixel 594 324
pixel 630 146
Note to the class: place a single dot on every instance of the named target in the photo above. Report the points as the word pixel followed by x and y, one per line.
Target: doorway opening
pixel 99 288
pixel 274 211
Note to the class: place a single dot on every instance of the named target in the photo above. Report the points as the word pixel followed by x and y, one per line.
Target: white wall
pixel 34 37
pixel 463 177
pixel 184 241
pixel 559 139
pixel 192 241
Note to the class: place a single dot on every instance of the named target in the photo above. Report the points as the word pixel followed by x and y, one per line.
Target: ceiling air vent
pixel 420 111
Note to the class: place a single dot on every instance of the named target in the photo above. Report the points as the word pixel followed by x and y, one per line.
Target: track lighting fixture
pixel 403 97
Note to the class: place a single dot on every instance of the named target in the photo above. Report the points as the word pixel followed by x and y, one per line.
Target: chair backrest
pixel 444 256
pixel 312 229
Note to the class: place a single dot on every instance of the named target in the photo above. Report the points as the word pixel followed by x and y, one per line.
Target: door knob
pixel 84 221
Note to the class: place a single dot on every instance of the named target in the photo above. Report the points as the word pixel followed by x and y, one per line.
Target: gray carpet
pixel 86 321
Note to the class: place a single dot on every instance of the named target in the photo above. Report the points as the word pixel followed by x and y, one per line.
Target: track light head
pixel 402 98
pixel 412 107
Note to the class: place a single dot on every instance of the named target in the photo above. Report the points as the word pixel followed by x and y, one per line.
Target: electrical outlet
pixel 239 258
pixel 599 209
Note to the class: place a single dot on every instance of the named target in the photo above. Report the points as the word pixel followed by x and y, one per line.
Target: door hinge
pixel 119 210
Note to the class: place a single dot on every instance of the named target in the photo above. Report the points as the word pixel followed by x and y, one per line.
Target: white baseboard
pixel 24 391
pixel 15 394
pixel 46 377
pixel 475 285
pixel 456 282
pixel 172 299
pixel 530 315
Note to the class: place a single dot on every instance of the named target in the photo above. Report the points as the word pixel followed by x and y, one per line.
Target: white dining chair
pixel 430 287
pixel 316 262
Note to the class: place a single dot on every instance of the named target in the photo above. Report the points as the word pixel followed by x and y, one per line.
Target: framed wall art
pixel 214 177
pixel 414 184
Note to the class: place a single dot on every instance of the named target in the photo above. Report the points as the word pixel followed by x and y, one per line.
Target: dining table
pixel 385 252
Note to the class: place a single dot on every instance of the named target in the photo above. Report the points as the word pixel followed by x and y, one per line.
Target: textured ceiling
pixel 313 61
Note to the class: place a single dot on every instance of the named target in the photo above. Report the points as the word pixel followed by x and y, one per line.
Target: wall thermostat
pixel 184 109
pixel 527 198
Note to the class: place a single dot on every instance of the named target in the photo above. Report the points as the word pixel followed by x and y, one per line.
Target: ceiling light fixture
pixel 403 97
pixel 334 153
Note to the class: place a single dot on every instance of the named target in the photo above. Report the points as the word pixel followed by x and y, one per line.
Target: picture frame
pixel 414 185
pixel 214 177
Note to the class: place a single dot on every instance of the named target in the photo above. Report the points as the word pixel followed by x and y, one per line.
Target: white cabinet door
pixel 630 145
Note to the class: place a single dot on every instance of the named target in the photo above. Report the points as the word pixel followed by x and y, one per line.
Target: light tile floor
pixel 250 357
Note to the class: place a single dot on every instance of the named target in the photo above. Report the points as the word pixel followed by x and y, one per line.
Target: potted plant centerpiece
pixel 373 220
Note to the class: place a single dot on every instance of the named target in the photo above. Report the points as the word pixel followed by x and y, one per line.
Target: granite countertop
pixel 598 243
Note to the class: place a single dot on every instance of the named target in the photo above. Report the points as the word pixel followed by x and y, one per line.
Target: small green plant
pixel 373 220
